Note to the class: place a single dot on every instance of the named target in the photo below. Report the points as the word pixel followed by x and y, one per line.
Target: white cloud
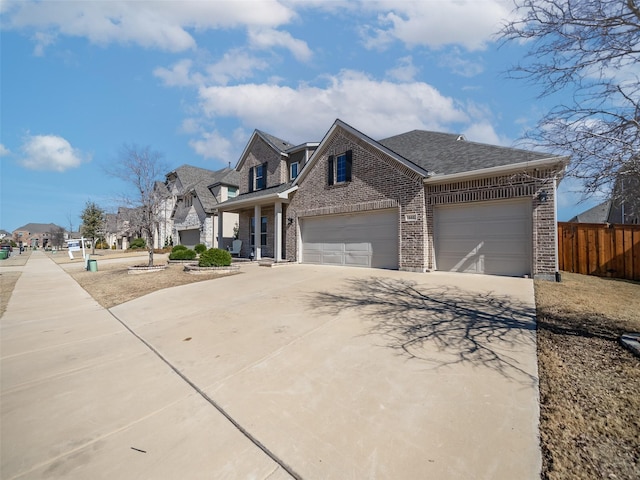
pixel 234 65
pixel 212 145
pixel 405 71
pixel 459 65
pixel 4 150
pixel 483 132
pixel 159 24
pixel 379 108
pixel 266 38
pixel 50 152
pixel 469 23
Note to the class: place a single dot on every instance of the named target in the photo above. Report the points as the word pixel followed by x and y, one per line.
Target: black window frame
pixel 340 167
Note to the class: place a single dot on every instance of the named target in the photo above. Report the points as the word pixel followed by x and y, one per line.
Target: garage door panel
pixel 487 237
pixel 367 239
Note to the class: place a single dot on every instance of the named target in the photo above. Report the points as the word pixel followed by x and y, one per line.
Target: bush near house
pixel 183 253
pixel 138 243
pixel 215 257
pixel 200 248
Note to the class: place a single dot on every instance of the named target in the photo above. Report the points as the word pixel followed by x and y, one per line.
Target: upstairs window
pixel 258 177
pixel 339 168
pixel 293 170
pixel 232 192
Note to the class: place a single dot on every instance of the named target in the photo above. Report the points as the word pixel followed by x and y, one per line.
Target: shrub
pixel 200 248
pixel 215 257
pixel 138 243
pixel 179 247
pixel 182 254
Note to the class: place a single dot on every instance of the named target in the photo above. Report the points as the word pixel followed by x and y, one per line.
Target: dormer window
pixel 293 170
pixel 258 177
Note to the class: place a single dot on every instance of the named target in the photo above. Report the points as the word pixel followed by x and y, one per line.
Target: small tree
pixel 93 221
pixel 141 168
pixel 57 237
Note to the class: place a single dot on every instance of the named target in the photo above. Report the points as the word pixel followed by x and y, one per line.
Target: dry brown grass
pixel 589 384
pixel 112 285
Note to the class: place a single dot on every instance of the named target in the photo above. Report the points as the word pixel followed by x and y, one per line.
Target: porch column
pixel 257 226
pixel 220 243
pixel 277 232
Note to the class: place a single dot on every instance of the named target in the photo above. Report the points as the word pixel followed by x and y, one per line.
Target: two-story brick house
pixel 418 201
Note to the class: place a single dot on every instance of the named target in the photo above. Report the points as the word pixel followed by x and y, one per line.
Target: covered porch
pixel 262 222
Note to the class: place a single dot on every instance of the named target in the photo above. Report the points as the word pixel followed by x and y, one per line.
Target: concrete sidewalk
pixel 82 397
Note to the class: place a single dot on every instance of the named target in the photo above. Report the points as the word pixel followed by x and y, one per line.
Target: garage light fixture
pixel 542 196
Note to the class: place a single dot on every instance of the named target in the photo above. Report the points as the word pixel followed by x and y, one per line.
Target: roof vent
pixel 460 138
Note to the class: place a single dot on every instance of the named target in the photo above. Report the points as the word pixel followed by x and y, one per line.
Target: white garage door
pixel 484 237
pixel 189 238
pixel 364 239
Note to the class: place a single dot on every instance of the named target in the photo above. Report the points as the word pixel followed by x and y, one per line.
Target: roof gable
pixel 340 125
pixel 277 144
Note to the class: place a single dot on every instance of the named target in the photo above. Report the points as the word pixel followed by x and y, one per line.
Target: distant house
pixel 616 210
pixel 4 234
pixel 417 201
pixel 38 234
pixel 597 214
pixel 189 216
pixel 118 230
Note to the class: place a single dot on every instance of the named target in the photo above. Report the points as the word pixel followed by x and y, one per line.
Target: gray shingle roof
pixel 199 180
pixel 39 227
pixel 447 153
pixel 277 143
pixel 597 214
pixel 258 194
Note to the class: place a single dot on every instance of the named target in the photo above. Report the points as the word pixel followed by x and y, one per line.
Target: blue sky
pixel 192 80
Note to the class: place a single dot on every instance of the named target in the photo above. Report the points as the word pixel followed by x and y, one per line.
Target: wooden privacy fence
pixel 605 250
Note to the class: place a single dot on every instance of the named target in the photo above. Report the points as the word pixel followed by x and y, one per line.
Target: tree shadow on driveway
pixel 442 325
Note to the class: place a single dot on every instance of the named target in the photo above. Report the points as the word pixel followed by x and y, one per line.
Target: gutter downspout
pixel 555 226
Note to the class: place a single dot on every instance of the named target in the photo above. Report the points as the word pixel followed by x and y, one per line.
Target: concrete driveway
pixel 295 371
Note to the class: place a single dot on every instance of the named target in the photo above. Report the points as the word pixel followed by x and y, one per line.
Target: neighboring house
pixel 615 210
pixel 118 231
pixel 4 234
pixel 597 214
pixel 36 234
pixel 418 201
pixel 189 216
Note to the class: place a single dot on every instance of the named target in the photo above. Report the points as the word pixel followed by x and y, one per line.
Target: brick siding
pixel 378 182
pixel 521 185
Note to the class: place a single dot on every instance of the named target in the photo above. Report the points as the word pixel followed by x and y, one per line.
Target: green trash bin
pixel 93 265
pixel 4 254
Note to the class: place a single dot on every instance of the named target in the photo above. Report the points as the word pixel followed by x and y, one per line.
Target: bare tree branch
pixel 141 168
pixel 589 49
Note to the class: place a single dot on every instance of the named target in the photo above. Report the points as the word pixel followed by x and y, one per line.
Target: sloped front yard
pixel 589 383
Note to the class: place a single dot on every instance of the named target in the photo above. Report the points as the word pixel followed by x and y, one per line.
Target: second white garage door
pixel 364 239
pixel 484 237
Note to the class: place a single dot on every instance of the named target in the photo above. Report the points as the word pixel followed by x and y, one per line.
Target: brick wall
pixel 378 182
pixel 260 152
pixel 520 185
